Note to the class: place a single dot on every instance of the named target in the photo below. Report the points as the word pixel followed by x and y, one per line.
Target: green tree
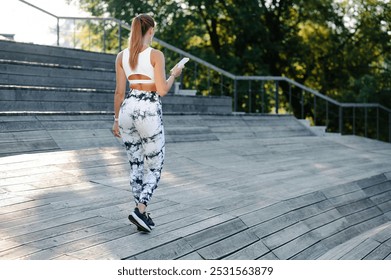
pixel 339 47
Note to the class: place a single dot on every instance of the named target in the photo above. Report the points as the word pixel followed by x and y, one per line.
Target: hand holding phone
pixel 183 61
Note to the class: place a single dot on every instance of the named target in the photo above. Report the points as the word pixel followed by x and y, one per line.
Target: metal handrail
pixel 231 76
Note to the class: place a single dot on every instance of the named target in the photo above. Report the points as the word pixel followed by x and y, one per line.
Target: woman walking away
pixel 138 115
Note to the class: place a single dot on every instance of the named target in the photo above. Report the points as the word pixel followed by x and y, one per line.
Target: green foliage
pixel 341 48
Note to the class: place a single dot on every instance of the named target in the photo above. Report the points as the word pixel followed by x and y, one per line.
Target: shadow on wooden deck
pixel 233 187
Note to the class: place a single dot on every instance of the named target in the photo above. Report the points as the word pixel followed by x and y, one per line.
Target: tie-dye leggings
pixel 141 128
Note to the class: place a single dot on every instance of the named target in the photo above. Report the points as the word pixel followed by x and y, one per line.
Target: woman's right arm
pixel 163 85
pixel 120 88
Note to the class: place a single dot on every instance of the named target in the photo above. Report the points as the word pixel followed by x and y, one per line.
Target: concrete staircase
pixel 36 78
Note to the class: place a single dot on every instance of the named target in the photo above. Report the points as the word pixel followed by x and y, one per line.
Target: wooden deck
pixel 232 188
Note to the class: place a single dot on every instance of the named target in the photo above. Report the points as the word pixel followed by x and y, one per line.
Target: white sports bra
pixel 143 67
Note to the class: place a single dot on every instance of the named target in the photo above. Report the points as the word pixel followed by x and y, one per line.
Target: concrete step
pixel 20 131
pixel 50 75
pixel 56 55
pixel 41 99
pixel 319 130
pixel 60 99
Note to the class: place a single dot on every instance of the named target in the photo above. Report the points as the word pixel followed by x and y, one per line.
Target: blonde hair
pixel 140 25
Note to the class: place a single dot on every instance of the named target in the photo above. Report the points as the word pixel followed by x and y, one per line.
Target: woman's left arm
pixel 163 85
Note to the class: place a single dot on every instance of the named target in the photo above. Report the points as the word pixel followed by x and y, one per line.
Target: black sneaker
pixel 140 220
pixel 149 220
pixel 139 228
pixel 133 221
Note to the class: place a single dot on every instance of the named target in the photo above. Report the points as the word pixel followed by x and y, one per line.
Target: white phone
pixel 183 61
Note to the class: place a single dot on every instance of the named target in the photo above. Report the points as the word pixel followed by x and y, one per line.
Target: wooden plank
pixel 215 233
pixel 378 253
pixel 170 251
pixel 341 190
pixel 63 257
pixel 249 204
pixel 49 223
pixel 311 253
pixel 335 242
pixel 378 188
pixel 195 223
pixel 357 206
pixel 381 198
pixel 330 229
pixel 251 252
pixel 125 247
pixel 179 214
pixel 285 235
pixel 374 180
pixel 383 233
pixel 8 149
pixel 281 222
pixel 87 241
pixel 361 250
pixel 364 215
pixel 6 244
pixel 220 249
pixel 348 198
pixel 47 233
pixel 372 223
pixel 191 256
pixel 303 243
pixel 268 256
pixel 18 252
pixel 325 232
pixel 339 243
pixel 82 230
pixel 322 218
pixel 264 214
pixel 295 246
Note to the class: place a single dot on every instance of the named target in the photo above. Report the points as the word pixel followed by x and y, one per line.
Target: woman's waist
pixel 143 87
pixel 150 95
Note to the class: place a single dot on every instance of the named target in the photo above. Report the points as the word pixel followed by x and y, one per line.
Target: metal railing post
pixel 58 32
pixel 389 127
pixel 235 95
pixel 208 81
pixel 221 84
pixel 354 120
pixel 104 36
pixel 263 96
pixel 327 114
pixel 74 33
pixel 119 37
pixel 195 76
pixel 249 97
pixel 314 109
pixel 302 104
pixel 366 122
pixel 340 119
pixel 290 97
pixel 377 124
pixel 276 97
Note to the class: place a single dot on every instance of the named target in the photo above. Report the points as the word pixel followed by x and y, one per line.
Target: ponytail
pixel 140 26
